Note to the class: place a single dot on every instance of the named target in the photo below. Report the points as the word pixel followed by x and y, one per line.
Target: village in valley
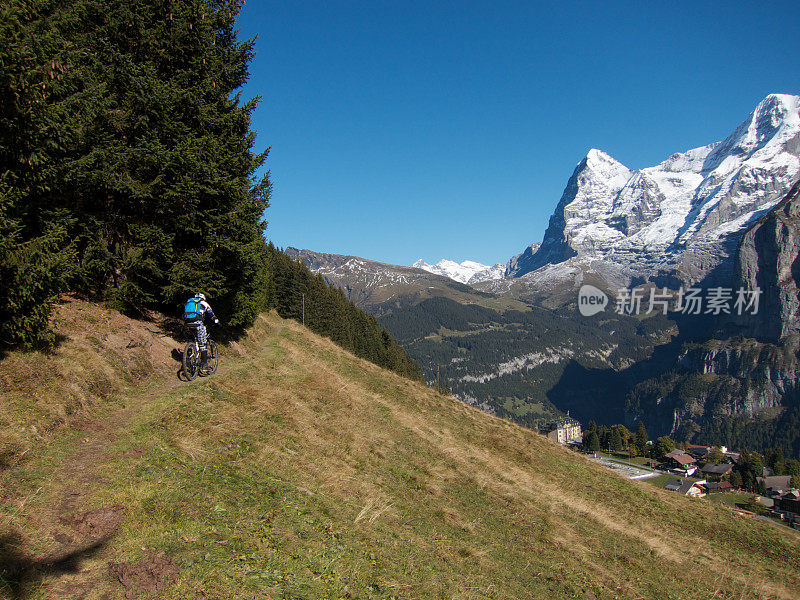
pixel 752 485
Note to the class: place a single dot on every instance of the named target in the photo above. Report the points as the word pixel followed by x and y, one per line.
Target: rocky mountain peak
pixel 683 217
pixel 598 161
pixel 773 127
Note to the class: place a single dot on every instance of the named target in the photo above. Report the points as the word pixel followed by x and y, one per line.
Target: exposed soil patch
pixel 144 346
pixel 96 524
pixel 134 453
pixel 83 425
pixel 151 574
pixel 22 572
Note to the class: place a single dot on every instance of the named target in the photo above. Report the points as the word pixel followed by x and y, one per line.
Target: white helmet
pixel 200 296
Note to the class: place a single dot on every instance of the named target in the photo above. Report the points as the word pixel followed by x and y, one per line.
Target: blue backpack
pixel 191 310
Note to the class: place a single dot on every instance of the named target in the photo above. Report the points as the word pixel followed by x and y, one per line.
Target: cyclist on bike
pixel 194 313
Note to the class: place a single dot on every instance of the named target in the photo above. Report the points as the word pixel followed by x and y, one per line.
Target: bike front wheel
pixel 191 361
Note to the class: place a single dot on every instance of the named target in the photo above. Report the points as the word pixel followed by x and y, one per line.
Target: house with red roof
pixel 679 461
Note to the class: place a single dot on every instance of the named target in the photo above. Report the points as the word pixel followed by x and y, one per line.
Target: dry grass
pixel 299 471
pixel 100 353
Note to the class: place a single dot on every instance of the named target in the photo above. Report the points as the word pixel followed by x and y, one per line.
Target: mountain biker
pixel 194 313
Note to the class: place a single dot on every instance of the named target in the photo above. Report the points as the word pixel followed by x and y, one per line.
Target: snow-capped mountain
pixel 468 272
pixel 680 219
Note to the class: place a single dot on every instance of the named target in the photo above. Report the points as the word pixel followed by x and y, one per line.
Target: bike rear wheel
pixel 191 361
pixel 213 358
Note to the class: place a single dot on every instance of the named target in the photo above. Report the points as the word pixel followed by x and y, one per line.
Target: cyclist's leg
pixel 202 339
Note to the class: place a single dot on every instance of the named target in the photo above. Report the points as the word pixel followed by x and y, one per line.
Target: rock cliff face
pixel 769 260
pixel 742 388
pixel 766 374
pixel 513 264
pixel 683 217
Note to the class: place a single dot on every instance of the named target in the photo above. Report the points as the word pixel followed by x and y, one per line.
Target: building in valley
pixel 564 431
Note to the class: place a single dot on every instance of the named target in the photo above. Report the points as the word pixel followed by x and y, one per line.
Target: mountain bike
pixel 192 360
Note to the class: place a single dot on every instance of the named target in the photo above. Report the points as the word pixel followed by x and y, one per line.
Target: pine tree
pixel 591 428
pixel 615 439
pixel 128 121
pixel 36 256
pixel 593 442
pixel 640 439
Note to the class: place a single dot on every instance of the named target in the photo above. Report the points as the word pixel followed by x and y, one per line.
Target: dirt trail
pixel 79 563
pixel 76 529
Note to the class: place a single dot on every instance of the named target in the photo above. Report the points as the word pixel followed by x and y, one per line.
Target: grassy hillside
pixel 299 471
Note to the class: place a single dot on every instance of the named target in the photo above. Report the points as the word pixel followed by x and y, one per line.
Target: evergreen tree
pixel 36 256
pixel 604 433
pixel 793 469
pixel 593 442
pixel 750 468
pixel 591 428
pixel 776 461
pixel 615 440
pixel 123 128
pixel 640 439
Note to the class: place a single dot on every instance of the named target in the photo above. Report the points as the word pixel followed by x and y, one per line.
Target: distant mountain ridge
pixel 380 287
pixel 678 222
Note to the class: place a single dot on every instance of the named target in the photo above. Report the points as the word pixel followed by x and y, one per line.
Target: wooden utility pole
pixel 304 310
pixel 437 378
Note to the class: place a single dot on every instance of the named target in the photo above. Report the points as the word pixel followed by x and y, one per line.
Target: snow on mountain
pixel 468 272
pixel 682 217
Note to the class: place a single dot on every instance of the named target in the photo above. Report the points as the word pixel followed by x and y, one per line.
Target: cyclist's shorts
pixel 200 332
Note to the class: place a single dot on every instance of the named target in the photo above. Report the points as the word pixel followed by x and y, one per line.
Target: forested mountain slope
pixel 530 366
pixel 300 471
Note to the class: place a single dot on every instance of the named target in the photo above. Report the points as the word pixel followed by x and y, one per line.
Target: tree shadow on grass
pixel 21 573
pixel 48 347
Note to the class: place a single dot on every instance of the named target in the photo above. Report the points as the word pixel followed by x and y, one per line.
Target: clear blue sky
pixel 405 130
